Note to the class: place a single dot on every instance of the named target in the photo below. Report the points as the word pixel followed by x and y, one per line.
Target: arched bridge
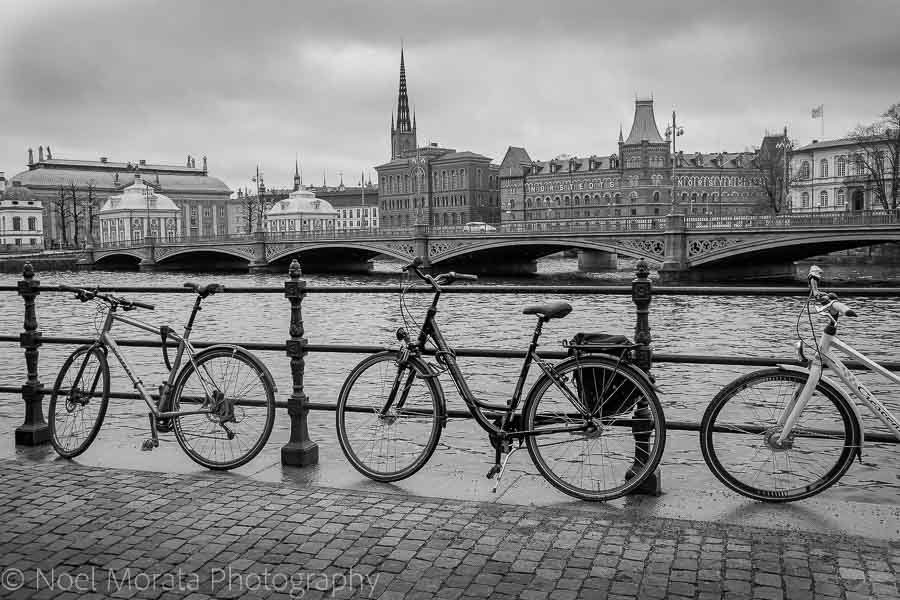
pixel 680 244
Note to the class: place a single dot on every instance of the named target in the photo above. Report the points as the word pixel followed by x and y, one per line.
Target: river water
pixel 722 325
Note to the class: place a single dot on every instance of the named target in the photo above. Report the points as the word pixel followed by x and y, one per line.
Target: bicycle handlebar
pixel 437 280
pixel 828 301
pixel 85 295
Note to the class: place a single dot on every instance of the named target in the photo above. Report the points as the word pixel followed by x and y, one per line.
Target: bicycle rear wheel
pixel 240 400
pixel 78 401
pixel 608 445
pixel 737 437
pixel 392 446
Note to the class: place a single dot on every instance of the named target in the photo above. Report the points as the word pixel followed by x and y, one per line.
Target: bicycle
pixel 788 433
pixel 229 392
pixel 592 423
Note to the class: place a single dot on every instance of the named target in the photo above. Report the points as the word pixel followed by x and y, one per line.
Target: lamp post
pixel 785 146
pixel 260 189
pixel 674 131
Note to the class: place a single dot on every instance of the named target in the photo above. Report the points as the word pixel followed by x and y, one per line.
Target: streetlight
pixel 260 188
pixel 674 131
pixel 785 146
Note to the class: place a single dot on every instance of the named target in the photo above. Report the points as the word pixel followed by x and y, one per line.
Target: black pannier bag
pixel 615 394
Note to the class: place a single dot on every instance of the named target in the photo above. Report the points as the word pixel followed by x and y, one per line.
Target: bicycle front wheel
pixel 739 430
pixel 392 444
pixel 607 441
pixel 235 400
pixel 78 401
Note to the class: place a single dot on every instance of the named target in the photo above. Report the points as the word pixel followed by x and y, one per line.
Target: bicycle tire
pixel 236 374
pixel 376 446
pixel 84 411
pixel 601 463
pixel 738 425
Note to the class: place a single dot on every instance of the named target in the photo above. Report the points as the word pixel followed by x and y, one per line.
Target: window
pixel 32 223
pixel 823 168
pixel 656 197
pixel 17 223
pixel 823 198
pixel 841 166
pixel 841 199
pixel 860 165
pixel 804 170
pixel 805 199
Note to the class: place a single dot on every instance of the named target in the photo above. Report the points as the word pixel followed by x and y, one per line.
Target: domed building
pixel 301 211
pixel 136 213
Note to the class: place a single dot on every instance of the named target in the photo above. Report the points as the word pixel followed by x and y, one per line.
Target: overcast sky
pixel 260 82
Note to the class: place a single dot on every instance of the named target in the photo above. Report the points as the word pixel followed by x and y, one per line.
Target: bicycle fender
pixel 829 383
pixel 252 357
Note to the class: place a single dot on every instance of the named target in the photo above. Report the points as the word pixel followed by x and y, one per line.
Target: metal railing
pixel 824 219
pixel 300 450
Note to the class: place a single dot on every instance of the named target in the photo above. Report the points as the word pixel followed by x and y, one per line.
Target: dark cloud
pixel 258 82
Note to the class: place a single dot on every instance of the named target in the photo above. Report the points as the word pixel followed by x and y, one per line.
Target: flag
pixel 818 111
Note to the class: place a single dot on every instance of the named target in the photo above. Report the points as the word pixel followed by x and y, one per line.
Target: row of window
pixel 840 199
pixel 842 166
pixel 347 213
pixel 17 223
pixel 444 180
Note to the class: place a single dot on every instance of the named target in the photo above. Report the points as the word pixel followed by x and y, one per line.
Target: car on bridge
pixel 478 227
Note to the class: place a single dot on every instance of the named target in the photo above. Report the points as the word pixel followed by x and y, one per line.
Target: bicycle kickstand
pixel 500 467
pixel 153 441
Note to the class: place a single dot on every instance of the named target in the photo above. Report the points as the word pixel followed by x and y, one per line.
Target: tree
pixel 252 212
pixel 877 156
pixel 61 209
pixel 770 161
pixel 76 212
pixel 92 212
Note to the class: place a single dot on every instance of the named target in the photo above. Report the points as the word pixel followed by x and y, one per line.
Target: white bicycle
pixel 787 433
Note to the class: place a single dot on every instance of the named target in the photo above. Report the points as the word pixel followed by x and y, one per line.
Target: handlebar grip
pixel 815 272
pixel 68 288
pixel 464 276
pixel 143 305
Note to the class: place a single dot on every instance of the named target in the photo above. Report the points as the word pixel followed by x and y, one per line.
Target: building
pixel 138 212
pixel 635 181
pixel 430 184
pixel 357 207
pixel 840 175
pixel 303 212
pixel 72 192
pixel 21 226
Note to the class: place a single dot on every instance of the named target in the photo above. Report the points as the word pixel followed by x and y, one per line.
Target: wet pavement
pixel 76 531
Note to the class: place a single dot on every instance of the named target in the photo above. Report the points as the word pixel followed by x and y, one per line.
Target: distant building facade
pixel 833 175
pixel 635 181
pixel 138 212
pixel 301 211
pixel 21 225
pixel 72 192
pixel 429 184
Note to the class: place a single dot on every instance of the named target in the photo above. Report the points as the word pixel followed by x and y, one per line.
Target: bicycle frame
pixel 107 340
pixel 477 407
pixel 823 358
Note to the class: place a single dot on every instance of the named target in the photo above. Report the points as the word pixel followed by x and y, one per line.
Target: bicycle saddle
pixel 549 310
pixel 205 290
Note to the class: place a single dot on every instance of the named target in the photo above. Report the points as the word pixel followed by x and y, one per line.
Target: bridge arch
pixel 400 251
pixel 652 249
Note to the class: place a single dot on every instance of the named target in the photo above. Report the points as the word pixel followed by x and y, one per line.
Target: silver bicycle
pixel 789 432
pixel 220 404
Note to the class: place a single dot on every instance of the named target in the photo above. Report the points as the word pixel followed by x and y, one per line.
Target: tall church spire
pixel 403 123
pixel 403 136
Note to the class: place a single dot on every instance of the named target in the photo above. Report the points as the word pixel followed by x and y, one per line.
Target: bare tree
pixel 92 214
pixel 877 156
pixel 61 210
pixel 75 211
pixel 772 177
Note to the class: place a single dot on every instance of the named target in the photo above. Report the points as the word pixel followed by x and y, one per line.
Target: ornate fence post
pixel 34 430
pixel 641 295
pixel 300 451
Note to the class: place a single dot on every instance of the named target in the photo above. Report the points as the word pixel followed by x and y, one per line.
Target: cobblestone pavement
pixel 72 531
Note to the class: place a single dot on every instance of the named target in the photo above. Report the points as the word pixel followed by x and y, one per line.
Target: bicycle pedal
pixel 494 470
pixel 149 445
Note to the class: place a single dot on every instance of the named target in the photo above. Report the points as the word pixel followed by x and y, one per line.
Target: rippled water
pixel 746 326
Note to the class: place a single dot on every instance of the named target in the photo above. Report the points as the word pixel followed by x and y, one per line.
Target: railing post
pixel 34 430
pixel 300 451
pixel 641 295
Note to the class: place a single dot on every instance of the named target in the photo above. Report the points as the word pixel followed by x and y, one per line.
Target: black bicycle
pixel 592 423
